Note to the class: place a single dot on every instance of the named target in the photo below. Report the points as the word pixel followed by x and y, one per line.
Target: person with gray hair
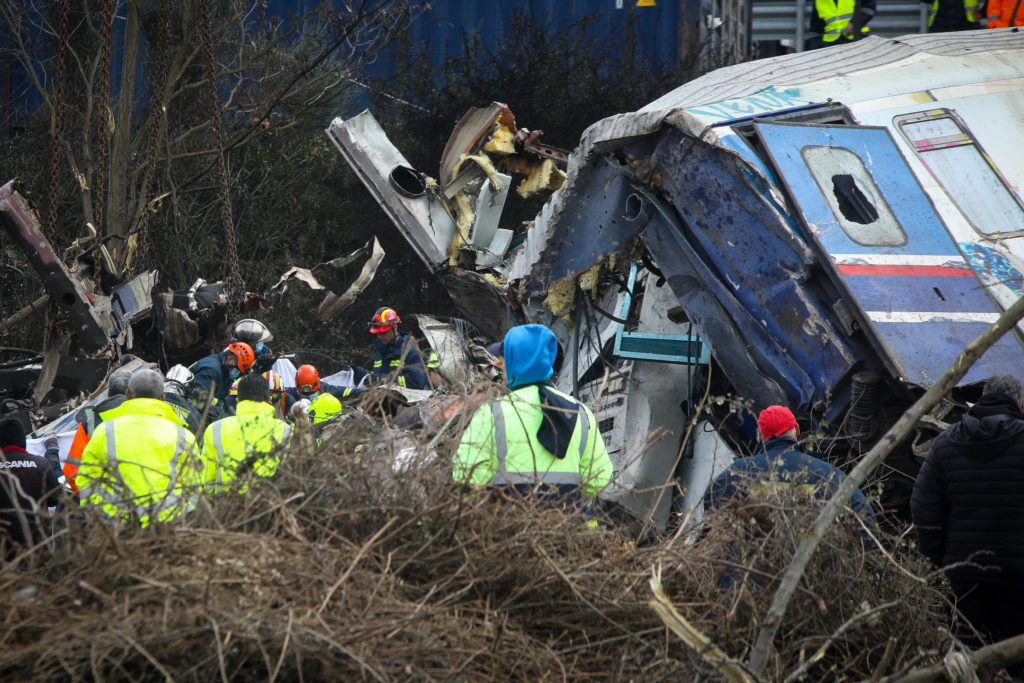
pixel 146 383
pixel 89 418
pixel 141 464
pixel 968 507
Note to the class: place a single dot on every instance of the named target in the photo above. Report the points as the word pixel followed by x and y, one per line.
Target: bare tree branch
pixel 896 434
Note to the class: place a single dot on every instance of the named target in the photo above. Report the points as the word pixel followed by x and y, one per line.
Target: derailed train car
pixel 825 230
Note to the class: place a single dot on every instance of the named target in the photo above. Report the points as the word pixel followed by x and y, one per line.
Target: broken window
pixel 855 200
pixel 955 159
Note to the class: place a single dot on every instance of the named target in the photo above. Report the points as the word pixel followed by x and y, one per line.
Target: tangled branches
pixel 348 566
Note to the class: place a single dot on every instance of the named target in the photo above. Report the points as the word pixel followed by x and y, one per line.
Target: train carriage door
pixel 865 210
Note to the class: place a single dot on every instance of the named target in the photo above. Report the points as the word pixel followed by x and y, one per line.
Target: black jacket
pixel 969 495
pixel 27 483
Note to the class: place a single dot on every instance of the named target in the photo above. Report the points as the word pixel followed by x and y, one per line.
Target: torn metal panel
pixel 444 338
pixel 418 214
pixel 479 300
pixel 475 126
pixel 594 224
pixel 338 275
pixel 335 303
pixel 82 313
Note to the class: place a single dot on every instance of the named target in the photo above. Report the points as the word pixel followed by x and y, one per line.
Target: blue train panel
pixel 906 274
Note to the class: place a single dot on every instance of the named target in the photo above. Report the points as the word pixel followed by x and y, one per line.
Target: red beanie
pixel 775 420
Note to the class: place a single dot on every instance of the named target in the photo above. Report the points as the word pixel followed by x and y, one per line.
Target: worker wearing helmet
pixel 252 440
pixel 178 386
pixel 215 374
pixel 322 402
pixel 398 358
pixel 257 335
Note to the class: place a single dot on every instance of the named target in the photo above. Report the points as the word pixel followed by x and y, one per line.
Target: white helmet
pixel 180 381
pixel 252 332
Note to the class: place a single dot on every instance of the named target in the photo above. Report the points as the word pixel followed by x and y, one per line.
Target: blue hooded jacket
pixel 530 352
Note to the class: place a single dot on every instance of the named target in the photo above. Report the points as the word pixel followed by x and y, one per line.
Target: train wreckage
pixel 825 230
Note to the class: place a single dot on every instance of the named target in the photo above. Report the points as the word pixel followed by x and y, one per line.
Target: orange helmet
pixel 307 380
pixel 244 353
pixel 274 381
pixel 383 320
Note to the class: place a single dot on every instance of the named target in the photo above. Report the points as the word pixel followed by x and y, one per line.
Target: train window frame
pixel 828 163
pixel 969 197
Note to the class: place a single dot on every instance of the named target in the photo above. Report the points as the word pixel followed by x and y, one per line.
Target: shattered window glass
pixel 960 165
pixel 851 193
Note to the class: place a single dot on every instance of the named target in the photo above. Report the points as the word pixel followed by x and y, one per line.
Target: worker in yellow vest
pixel 838 22
pixel 536 441
pixel 954 15
pixel 252 440
pixel 142 463
pixel 319 401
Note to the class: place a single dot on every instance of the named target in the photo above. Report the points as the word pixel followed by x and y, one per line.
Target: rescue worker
pixel 954 15
pixel 833 22
pixel 781 463
pixel 398 358
pixel 535 440
pixel 320 401
pixel 278 396
pixel 178 388
pixel 142 462
pixel 89 417
pixel 253 439
pixel 257 335
pixel 434 376
pixel 1004 13
pixel 215 373
pixel 28 486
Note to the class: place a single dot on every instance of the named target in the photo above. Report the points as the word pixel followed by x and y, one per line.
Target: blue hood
pixel 530 352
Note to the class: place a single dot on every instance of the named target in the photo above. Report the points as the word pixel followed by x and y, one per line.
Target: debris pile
pixel 322 573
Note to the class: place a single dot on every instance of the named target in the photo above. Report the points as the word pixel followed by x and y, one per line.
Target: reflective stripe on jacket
pixel 836 14
pixel 971 12
pixel 500 448
pixel 142 462
pixel 252 434
pixel 84 432
pixel 1001 11
pixel 401 362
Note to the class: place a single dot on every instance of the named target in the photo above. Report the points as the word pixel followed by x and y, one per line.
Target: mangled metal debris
pixel 337 277
pixel 824 230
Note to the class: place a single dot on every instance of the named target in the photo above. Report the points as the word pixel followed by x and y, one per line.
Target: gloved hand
pixel 53 455
pixel 263 363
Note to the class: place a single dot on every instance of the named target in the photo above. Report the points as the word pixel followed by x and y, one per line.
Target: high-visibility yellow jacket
pixel 500 448
pixel 252 437
pixel 836 14
pixel 141 463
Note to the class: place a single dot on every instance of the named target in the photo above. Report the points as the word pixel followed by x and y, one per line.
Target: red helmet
pixel 383 320
pixel 307 379
pixel 244 353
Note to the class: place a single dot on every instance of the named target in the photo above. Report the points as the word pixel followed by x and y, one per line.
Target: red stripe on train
pixel 929 271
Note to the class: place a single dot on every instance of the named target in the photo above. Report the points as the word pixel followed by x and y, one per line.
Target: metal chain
pixel 238 284
pixel 102 112
pixel 58 116
pixel 158 79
